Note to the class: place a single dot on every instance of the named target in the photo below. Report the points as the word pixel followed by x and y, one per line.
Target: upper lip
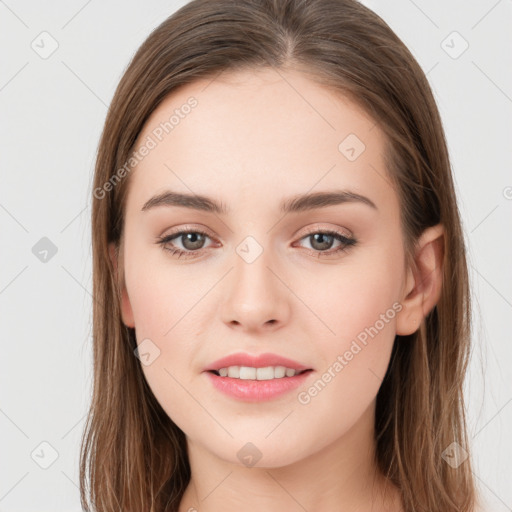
pixel 255 361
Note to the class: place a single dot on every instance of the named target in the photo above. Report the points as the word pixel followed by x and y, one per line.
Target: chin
pixel 261 453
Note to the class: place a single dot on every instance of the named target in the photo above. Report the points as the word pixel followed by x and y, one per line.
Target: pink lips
pixel 256 390
pixel 259 361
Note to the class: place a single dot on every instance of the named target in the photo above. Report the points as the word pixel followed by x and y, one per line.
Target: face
pixel 317 282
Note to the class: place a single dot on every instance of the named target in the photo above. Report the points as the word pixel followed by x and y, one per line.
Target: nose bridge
pixel 252 277
pixel 254 296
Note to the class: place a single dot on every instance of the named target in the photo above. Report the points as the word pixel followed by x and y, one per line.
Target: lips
pixel 255 361
pixel 238 376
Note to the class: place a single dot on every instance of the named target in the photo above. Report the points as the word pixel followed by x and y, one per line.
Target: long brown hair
pixel 133 456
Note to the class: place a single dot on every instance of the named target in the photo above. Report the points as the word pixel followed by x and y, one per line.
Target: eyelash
pixel 345 241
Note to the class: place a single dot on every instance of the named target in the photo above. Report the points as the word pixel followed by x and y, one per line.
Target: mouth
pixel 256 378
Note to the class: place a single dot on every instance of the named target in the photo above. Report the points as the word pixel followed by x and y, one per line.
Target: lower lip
pixel 257 390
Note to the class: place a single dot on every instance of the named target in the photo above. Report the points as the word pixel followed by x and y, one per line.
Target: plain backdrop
pixel 52 112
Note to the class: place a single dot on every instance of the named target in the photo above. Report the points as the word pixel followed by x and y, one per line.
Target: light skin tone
pixel 252 142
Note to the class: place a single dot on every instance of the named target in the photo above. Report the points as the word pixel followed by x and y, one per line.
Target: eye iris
pixel 321 238
pixel 196 241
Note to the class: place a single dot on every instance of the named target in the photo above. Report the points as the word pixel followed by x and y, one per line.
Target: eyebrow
pixel 298 203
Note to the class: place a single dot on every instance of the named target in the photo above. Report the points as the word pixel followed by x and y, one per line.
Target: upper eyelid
pixel 309 231
pixel 317 229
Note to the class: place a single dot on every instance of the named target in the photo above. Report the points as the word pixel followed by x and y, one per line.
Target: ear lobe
pixel 424 281
pixel 126 308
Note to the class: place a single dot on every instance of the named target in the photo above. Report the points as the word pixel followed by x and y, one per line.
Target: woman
pixel 282 313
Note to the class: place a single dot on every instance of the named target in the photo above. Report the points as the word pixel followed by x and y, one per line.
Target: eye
pixel 192 241
pixel 322 240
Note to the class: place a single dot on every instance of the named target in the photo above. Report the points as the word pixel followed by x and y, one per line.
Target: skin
pixel 252 141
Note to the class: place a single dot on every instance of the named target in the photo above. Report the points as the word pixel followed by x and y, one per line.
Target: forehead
pixel 249 137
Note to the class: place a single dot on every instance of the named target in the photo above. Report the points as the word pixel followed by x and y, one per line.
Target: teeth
pixel 249 373
pixel 233 372
pixel 265 373
pixel 279 372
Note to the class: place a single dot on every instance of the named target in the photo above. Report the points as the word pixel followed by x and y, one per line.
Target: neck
pixel 341 476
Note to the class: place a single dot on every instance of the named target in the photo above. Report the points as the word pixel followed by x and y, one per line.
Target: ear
pixel 126 308
pixel 424 281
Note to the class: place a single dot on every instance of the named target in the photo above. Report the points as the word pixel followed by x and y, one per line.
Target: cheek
pixel 168 306
pixel 163 295
pixel 354 363
pixel 164 313
pixel 360 305
pixel 359 294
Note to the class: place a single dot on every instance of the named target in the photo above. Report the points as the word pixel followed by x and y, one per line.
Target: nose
pixel 255 297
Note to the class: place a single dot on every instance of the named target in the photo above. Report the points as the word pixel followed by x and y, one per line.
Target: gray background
pixel 52 112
